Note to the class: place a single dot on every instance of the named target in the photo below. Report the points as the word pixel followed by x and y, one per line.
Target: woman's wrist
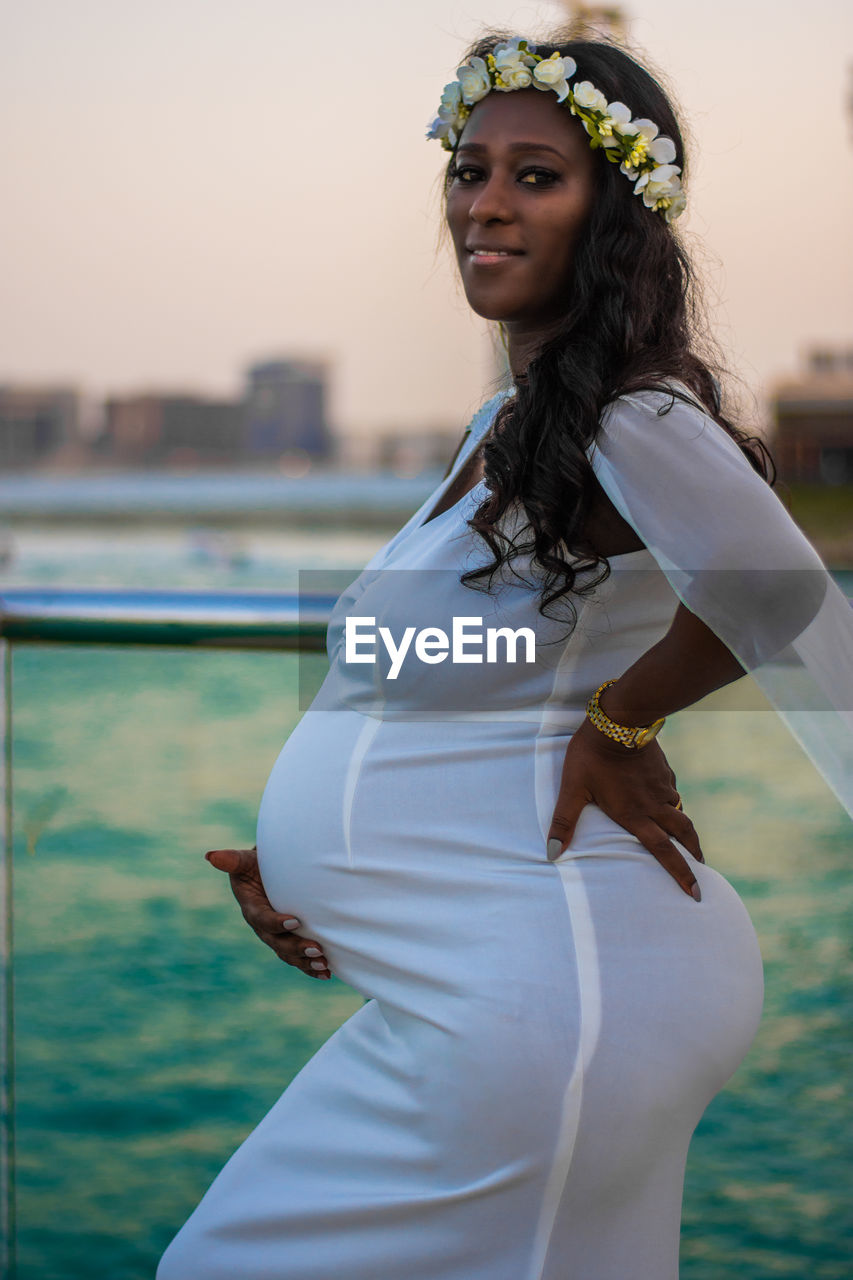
pixel 625 732
pixel 687 664
pixel 601 742
pixel 618 705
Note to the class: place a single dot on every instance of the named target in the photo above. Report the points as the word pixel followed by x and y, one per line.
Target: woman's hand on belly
pixel 636 788
pixel 272 927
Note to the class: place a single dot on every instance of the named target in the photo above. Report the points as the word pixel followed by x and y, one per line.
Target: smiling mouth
pixel 483 256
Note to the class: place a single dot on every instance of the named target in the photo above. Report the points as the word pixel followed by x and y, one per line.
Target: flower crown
pixel 643 154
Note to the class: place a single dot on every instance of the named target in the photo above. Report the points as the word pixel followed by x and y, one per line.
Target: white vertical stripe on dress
pixel 362 745
pixel 586 961
pixel 589 996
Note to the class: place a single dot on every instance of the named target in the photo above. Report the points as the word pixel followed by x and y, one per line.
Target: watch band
pixel 634 737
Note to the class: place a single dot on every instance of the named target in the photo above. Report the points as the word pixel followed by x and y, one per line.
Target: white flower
pixel 589 98
pixel 445 131
pixel 617 114
pixel 452 114
pixel 513 71
pixel 662 183
pixel 451 101
pixel 676 207
pixel 555 73
pixel 646 129
pixel 662 149
pixel 513 47
pixel 641 135
pixel 474 80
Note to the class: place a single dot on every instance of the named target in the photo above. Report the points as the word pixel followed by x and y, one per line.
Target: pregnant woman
pixel 473 825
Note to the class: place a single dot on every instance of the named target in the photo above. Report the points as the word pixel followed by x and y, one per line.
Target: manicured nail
pixel 555 848
pixel 290 923
pixel 313 951
pixel 696 891
pixel 318 964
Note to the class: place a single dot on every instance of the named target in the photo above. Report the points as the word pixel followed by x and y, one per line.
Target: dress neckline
pixel 420 521
pixel 422 517
pixel 423 524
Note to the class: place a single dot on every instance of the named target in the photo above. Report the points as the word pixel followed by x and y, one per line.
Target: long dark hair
pixel 633 322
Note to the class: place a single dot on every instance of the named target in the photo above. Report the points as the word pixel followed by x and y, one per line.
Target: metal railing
pixel 180 618
pixel 210 619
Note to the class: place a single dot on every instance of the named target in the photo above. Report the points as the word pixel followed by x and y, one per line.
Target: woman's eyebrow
pixel 512 146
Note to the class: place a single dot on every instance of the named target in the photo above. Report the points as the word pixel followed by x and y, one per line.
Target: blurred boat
pixel 217 548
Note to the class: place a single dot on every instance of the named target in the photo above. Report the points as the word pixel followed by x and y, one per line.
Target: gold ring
pixel 678 806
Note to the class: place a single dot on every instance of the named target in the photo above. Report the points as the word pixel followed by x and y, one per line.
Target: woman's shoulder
pixel 658 399
pixel 484 417
pixel 667 413
pixel 488 410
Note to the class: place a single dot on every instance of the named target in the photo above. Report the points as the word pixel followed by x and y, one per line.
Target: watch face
pixel 646 735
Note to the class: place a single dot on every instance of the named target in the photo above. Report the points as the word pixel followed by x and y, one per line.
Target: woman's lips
pixel 492 257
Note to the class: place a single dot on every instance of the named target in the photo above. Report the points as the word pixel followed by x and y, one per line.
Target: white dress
pixel 516 1098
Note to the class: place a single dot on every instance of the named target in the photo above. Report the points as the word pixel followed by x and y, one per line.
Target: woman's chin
pixel 502 310
pixel 492 309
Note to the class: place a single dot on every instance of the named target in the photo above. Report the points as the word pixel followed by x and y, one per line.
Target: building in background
pixel 280 418
pixel 35 423
pixel 161 430
pixel 408 453
pixel 284 411
pixel 813 416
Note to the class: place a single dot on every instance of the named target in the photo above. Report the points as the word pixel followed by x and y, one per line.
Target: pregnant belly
pixel 302 827
pixel 407 848
pixel 415 854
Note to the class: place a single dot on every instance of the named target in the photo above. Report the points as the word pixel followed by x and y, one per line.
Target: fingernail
pixel 290 923
pixel 555 848
pixel 696 891
pixel 318 964
pixel 313 951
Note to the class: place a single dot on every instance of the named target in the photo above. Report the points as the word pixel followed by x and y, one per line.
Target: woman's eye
pixel 466 173
pixel 537 177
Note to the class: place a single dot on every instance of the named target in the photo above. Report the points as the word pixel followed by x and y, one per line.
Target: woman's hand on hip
pixel 636 788
pixel 272 927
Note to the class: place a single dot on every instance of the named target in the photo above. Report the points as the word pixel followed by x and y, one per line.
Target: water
pixel 153 1030
pixel 230 495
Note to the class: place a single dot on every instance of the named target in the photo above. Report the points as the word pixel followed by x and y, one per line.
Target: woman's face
pixel 521 194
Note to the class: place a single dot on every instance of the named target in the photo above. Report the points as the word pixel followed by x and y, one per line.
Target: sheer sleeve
pixel 738 561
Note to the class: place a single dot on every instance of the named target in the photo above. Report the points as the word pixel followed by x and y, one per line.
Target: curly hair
pixel 632 321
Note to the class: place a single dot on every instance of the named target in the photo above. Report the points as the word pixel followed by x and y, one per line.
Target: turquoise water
pixel 153 1031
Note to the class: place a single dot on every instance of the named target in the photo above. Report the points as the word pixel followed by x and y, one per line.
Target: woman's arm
pixel 688 663
pixel 636 787
pixel 754 596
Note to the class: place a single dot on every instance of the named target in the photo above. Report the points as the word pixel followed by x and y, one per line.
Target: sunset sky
pixel 193 184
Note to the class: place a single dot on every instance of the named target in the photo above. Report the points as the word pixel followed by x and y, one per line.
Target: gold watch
pixel 637 737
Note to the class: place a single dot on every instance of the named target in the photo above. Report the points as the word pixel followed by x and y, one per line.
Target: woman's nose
pixel 492 203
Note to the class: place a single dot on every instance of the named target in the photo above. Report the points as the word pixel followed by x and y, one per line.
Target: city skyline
pixel 176 210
